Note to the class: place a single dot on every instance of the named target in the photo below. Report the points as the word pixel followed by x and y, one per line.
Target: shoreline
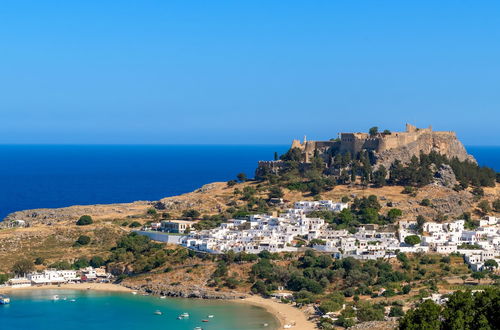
pixel 285 314
pixel 107 287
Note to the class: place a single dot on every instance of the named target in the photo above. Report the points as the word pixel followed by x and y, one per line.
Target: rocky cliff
pixel 444 144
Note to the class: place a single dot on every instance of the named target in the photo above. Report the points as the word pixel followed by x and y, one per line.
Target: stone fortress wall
pixel 390 146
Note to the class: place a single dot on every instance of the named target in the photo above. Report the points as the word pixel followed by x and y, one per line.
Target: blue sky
pixel 218 72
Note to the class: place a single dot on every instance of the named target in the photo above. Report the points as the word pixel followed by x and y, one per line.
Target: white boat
pixel 72 300
pixel 134 292
pixel 184 314
pixel 210 316
pixel 198 328
pixel 157 312
pixel 4 300
pixel 55 297
pixel 163 297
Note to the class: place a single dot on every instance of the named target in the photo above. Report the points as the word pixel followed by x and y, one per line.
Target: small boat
pixel 198 328
pixel 265 325
pixel 184 315
pixel 157 312
pixel 210 316
pixel 134 292
pixel 204 320
pixel 72 300
pixel 163 297
pixel 55 297
pixel 4 300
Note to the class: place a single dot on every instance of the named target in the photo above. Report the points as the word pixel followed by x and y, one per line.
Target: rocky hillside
pixel 445 144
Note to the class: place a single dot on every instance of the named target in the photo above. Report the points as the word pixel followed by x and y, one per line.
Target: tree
pixel 22 267
pixel 412 240
pixel 276 192
pixel 496 205
pixel 151 211
pixel 490 264
pixel 393 214
pixel 84 220
pixel 484 206
pixel 420 223
pixel 192 214
pixel 82 240
pixel 379 176
pixel 81 263
pixel 425 202
pixel 276 157
pixel 329 306
pixel 373 131
pixel 3 278
pixel 368 312
pixel 39 261
pixel 425 317
pixel 97 262
pixel 406 289
pixel 396 311
pixel 478 276
pixel 135 224
pixel 231 183
pixel 242 177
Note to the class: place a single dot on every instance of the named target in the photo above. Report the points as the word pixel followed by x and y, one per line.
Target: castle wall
pixel 403 144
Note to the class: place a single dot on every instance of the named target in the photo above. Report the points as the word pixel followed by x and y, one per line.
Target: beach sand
pixel 75 286
pixel 285 313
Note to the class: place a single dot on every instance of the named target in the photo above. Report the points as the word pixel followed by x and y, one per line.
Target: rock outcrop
pixel 445 177
pixel 183 291
pixel 446 144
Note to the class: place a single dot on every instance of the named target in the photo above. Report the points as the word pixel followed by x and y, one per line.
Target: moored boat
pixel 4 300
pixel 157 312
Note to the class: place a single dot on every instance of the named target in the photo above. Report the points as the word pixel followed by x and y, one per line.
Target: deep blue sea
pixel 39 176
pixel 35 310
pixel 56 176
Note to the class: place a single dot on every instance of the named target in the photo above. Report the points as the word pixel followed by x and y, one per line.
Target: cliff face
pixel 444 144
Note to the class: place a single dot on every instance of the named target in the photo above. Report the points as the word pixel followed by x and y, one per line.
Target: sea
pixel 36 310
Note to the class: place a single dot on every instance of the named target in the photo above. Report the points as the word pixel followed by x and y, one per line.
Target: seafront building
pixel 53 276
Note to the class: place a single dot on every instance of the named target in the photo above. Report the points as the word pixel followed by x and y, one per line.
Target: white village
pixel 280 233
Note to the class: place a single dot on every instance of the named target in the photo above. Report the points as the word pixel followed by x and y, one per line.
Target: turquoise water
pixel 99 310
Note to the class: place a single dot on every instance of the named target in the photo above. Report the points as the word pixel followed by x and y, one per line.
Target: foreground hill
pixel 51 233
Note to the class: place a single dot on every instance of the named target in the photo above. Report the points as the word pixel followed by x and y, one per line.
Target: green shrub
pixel 82 240
pixel 84 220
pixel 135 224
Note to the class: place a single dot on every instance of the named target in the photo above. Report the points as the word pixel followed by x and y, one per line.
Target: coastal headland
pixel 371 259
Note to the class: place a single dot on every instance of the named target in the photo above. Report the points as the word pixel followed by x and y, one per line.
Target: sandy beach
pixel 74 286
pixel 285 313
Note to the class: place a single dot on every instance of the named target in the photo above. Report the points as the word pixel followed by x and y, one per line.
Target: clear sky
pixel 251 72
